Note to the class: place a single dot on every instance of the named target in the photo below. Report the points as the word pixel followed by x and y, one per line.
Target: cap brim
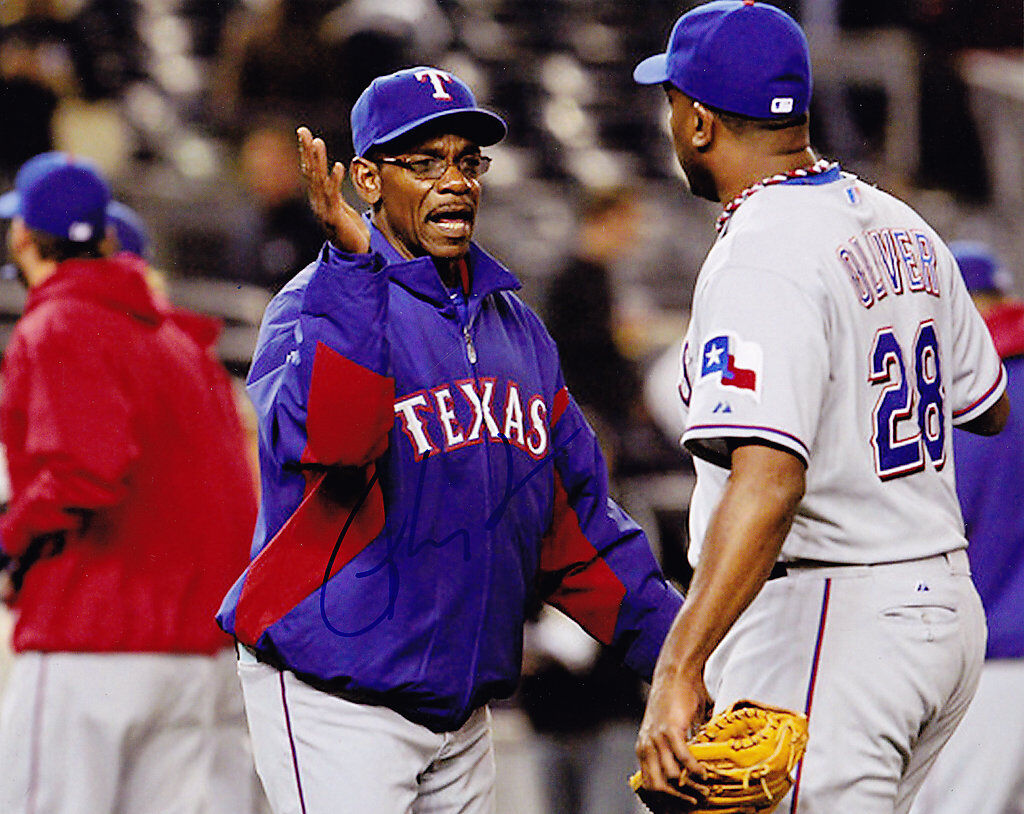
pixel 482 126
pixel 652 71
pixel 9 202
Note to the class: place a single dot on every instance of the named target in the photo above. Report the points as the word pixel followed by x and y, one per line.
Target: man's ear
pixel 365 176
pixel 20 235
pixel 23 251
pixel 704 127
pixel 110 244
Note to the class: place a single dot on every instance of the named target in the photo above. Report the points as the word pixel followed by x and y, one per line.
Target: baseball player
pixel 130 232
pixel 424 474
pixel 130 512
pixel 981 768
pixel 232 785
pixel 832 347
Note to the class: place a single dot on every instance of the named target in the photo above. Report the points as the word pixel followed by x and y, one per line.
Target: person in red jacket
pixel 131 510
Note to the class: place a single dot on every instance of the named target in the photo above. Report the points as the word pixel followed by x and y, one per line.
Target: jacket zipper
pixel 470 349
pixel 462 312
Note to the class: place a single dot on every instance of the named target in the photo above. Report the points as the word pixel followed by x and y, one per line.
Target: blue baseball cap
pixel 738 56
pixel 132 235
pixel 398 103
pixel 29 172
pixel 980 268
pixel 60 195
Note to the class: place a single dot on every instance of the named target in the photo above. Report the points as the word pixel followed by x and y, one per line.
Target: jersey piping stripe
pixel 291 744
pixel 826 593
pixel 35 746
pixel 700 428
pixel 984 398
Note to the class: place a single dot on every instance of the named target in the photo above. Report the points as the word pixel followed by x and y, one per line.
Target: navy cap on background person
pixel 398 103
pixel 980 268
pixel 28 172
pixel 59 195
pixel 132 234
pixel 737 56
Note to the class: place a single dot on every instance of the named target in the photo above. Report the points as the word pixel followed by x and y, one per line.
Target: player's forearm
pixel 744 539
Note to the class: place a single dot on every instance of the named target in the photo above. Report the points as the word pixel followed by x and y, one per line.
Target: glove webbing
pixel 788 734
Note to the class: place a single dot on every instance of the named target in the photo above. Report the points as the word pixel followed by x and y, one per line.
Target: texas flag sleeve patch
pixel 734 364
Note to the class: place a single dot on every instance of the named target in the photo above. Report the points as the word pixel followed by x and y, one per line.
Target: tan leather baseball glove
pixel 749 752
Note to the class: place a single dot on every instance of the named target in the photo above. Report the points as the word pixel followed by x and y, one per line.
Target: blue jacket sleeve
pixel 319 379
pixel 604 573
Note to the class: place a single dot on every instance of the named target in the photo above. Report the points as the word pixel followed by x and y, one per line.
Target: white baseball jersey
pixel 831 320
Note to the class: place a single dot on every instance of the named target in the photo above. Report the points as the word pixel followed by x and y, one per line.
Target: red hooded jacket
pixel 1005 322
pixel 121 431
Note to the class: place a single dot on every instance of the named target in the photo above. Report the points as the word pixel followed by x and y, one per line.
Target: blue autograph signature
pixel 414 546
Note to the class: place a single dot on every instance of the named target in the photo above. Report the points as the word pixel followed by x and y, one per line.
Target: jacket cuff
pixel 642 653
pixel 9 538
pixel 364 261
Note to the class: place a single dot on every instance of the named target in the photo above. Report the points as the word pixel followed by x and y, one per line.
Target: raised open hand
pixel 344 226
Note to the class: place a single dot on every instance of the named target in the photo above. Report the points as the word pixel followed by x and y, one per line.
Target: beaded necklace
pixel 820 166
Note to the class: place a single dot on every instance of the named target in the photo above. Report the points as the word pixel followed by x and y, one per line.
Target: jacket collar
pixel 117 283
pixel 420 276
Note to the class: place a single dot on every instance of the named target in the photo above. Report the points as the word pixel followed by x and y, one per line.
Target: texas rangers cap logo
pixel 437 79
pixel 399 102
pixel 734 364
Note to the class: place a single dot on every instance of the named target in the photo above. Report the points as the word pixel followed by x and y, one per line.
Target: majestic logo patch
pixel 736 365
pixel 79 232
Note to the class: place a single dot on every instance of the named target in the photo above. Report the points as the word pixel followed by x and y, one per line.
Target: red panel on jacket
pixel 589 591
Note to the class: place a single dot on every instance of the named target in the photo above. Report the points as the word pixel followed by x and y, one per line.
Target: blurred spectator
pixel 282 235
pixel 51 51
pixel 373 39
pixel 232 784
pixel 974 23
pixel 951 144
pixel 97 38
pixel 33 76
pixel 274 59
pixel 131 508
pixel 975 772
pixel 129 230
pixel 585 708
pixel 581 316
pixel 951 141
pixel 310 59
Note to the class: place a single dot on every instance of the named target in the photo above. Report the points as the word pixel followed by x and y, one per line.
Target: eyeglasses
pixel 430 169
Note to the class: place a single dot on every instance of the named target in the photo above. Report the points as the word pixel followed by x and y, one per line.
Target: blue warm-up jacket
pixel 990 486
pixel 424 474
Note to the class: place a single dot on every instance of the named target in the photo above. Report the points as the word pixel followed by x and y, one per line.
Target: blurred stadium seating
pixel 161 94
